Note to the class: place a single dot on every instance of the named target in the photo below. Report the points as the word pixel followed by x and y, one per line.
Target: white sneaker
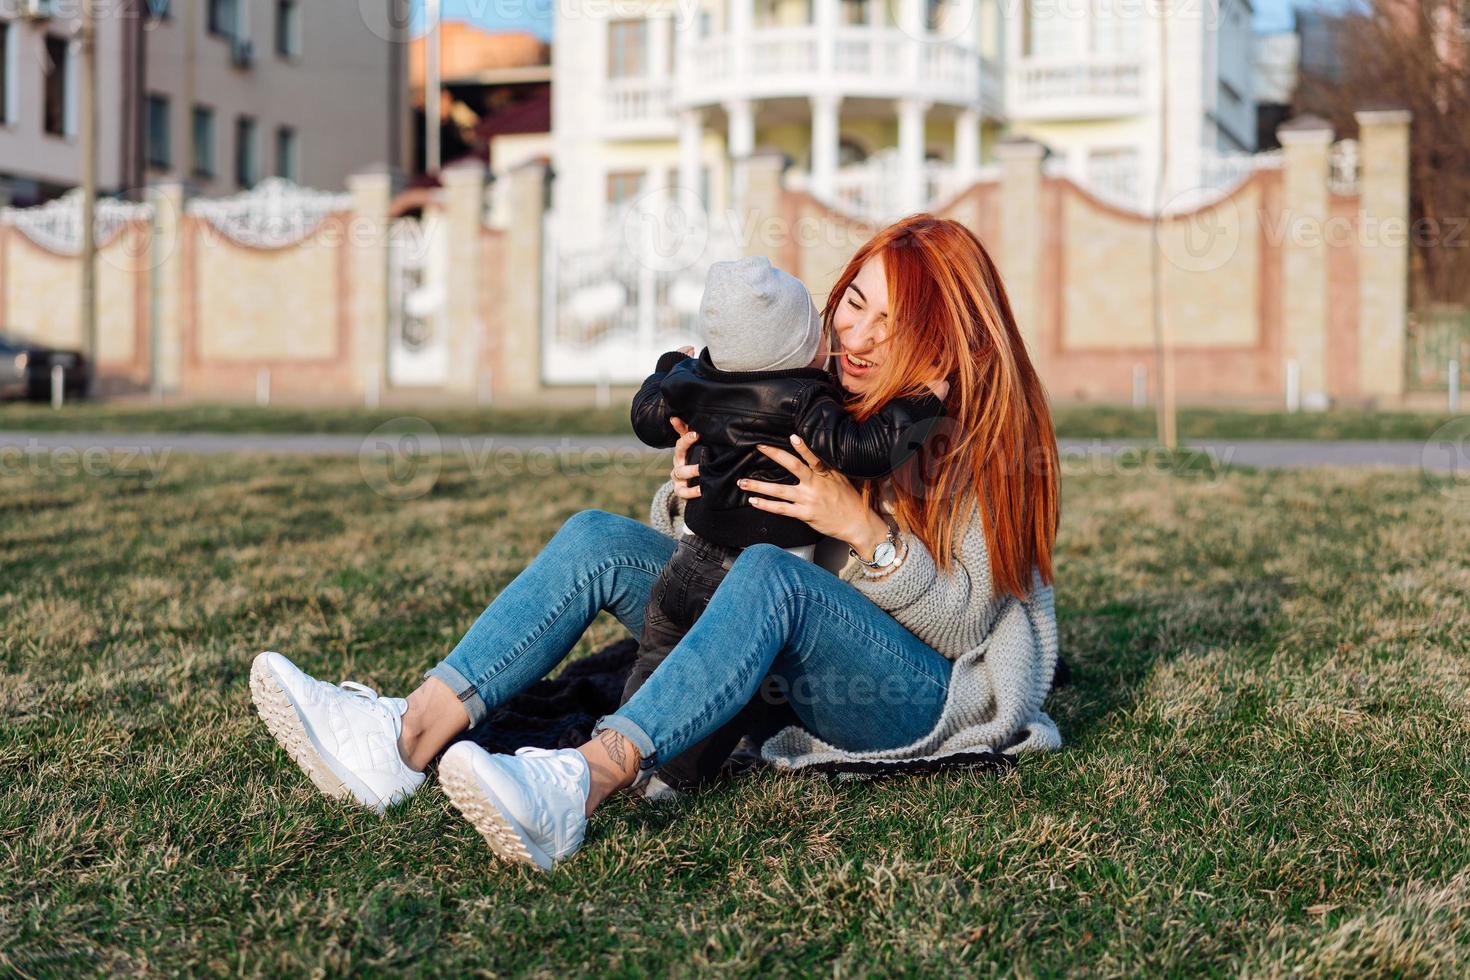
pixel 344 738
pixel 530 807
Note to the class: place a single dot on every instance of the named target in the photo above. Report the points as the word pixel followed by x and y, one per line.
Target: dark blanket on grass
pixel 560 712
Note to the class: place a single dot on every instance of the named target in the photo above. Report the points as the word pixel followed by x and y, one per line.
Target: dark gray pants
pixel 680 593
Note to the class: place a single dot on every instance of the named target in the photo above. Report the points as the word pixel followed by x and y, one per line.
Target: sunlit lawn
pixel 1265 770
pixel 1072 421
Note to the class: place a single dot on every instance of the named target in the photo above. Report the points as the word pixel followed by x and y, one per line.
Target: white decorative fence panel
pixel 610 310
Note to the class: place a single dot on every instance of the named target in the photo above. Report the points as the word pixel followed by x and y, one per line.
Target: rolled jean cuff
pixel 634 733
pixel 474 705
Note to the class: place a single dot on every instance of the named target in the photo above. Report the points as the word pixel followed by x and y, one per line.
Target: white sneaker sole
pixel 278 711
pixel 480 807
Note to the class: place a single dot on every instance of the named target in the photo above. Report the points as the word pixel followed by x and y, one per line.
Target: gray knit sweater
pixel 1004 650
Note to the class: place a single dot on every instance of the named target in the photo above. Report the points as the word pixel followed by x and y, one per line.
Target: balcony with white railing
pixel 1075 88
pixel 868 191
pixel 878 62
pixel 638 107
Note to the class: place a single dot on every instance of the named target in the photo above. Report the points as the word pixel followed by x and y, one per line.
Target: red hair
pixel 947 307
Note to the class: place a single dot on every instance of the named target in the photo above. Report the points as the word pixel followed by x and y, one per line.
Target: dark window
pixel 224 17
pixel 203 141
pixel 58 65
pixel 286 153
pixel 158 132
pixel 288 28
pixel 245 152
pixel 4 72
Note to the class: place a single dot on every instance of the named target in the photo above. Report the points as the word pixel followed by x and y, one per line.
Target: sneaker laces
pixel 396 707
pixel 359 690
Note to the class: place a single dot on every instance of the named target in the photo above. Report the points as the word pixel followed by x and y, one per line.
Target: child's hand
pixel 940 388
pixel 687 351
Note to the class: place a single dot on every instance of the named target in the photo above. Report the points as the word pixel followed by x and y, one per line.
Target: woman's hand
pixel 823 498
pixel 683 470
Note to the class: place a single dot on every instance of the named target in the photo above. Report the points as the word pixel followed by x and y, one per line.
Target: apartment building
pixel 887 106
pixel 219 93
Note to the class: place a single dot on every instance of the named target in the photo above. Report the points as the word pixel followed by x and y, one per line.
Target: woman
pixel 940 643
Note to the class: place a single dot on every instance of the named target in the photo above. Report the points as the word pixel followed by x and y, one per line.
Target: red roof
pixel 529 115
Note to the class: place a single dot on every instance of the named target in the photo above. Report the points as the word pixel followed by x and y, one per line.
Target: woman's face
pixel 861 322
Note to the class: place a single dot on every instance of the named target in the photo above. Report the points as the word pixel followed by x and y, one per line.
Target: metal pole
pixel 1168 433
pixel 433 152
pixel 89 190
pixel 1454 387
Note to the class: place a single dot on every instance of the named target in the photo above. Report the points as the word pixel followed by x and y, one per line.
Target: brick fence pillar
pixel 1383 252
pixel 464 210
pixel 166 297
pixel 521 282
pixel 1019 252
pixel 368 239
pixel 1306 144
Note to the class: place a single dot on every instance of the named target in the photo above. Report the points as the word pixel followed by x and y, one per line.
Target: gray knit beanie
pixel 757 318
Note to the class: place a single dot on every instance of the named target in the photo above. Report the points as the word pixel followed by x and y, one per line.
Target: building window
pixel 224 18
pixel 245 152
pixel 7 84
pixel 287 150
pixel 627 48
pixel 203 141
pixel 623 186
pixel 1113 31
pixel 288 28
pixel 854 12
pixel 54 118
pixel 1047 30
pixel 158 132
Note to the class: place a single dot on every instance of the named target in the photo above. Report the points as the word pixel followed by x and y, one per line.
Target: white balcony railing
pixel 638 105
pixel 1075 89
pixel 869 190
pixel 875 62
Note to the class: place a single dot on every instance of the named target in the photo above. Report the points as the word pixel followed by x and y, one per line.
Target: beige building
pixel 219 93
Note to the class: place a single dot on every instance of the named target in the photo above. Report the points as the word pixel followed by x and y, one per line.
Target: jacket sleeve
pixel 651 413
pixel 871 449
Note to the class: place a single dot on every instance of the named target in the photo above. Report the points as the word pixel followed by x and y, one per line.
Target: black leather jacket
pixel 735 411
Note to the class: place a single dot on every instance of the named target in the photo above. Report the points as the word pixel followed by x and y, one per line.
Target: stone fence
pixel 1289 286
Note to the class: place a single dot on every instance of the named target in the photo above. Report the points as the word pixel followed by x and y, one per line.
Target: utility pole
pixel 1163 346
pixel 89 189
pixel 433 153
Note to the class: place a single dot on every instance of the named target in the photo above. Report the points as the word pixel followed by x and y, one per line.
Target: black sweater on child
pixel 735 411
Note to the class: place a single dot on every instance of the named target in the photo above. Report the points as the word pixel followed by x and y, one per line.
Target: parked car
pixel 25 369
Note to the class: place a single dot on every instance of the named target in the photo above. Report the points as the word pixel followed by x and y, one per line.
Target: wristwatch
pixel 886 552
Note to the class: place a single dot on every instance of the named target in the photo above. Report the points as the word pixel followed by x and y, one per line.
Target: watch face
pixel 884 553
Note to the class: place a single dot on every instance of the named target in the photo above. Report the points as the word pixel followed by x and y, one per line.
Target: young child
pixel 758 380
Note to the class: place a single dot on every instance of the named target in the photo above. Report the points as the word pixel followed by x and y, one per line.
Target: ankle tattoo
pixel 616 747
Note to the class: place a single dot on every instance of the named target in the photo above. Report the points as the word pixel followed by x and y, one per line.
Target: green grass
pixel 1073 421
pixel 1265 770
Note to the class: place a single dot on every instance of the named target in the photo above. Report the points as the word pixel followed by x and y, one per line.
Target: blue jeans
pixel 853 675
